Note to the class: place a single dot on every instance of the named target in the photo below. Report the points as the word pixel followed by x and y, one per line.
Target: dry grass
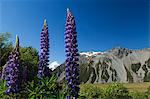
pixel 139 87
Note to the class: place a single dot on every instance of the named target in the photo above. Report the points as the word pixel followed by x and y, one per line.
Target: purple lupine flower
pixel 72 66
pixel 0 74
pixel 43 69
pixel 12 70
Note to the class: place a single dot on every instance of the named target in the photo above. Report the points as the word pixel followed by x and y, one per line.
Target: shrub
pixel 148 92
pixel 129 76
pixel 42 88
pixel 116 91
pixel 3 89
pixel 147 77
pixel 62 92
pixel 90 92
pixel 135 67
pixel 138 95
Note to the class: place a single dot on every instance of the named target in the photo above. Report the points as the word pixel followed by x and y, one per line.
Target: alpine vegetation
pixel 43 69
pixel 72 66
pixel 12 70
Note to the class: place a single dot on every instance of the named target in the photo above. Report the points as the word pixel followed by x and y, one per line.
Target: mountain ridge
pixel 115 65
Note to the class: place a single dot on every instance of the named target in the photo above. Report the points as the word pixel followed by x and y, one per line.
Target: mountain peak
pixel 53 65
pixel 92 53
pixel 115 65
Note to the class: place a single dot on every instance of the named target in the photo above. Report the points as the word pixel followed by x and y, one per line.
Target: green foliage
pixel 28 57
pixel 148 63
pixel 38 88
pixel 90 92
pixel 94 75
pixel 62 92
pixel 5 48
pixel 138 95
pixel 116 91
pixel 144 68
pixel 2 88
pixel 135 67
pixel 129 76
pixel 42 88
pixel 105 75
pixel 61 95
pixel 148 90
pixel 29 62
pixel 97 65
pixel 84 72
pixel 113 91
pixel 114 74
pixel 147 77
pixel 104 65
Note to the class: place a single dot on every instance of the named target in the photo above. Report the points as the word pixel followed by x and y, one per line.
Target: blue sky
pixel 101 24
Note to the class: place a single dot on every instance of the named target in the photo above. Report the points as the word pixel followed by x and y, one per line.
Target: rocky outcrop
pixel 116 65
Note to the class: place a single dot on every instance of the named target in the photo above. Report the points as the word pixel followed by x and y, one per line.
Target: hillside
pixel 115 65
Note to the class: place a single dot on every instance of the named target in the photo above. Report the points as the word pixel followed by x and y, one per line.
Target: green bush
pixel 45 88
pixel 113 91
pixel 116 91
pixel 62 92
pixel 148 92
pixel 138 95
pixel 3 88
pixel 90 92
pixel 135 67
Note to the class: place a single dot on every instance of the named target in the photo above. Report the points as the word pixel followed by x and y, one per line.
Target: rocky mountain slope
pixel 116 65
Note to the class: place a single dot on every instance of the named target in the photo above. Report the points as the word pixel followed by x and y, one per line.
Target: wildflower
pixel 43 70
pixel 72 66
pixel 12 70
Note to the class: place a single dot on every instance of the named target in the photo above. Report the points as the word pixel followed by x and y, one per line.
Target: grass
pixel 132 87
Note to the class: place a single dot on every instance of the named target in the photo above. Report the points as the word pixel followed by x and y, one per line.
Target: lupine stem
pixel 43 70
pixel 72 66
pixel 12 70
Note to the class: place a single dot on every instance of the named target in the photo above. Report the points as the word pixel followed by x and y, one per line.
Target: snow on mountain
pixel 53 65
pixel 87 54
pixel 115 65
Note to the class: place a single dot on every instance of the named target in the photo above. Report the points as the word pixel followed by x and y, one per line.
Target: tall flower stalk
pixel 72 66
pixel 12 70
pixel 43 70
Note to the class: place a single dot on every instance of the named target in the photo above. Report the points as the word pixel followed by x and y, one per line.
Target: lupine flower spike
pixel 72 66
pixel 43 70
pixel 12 70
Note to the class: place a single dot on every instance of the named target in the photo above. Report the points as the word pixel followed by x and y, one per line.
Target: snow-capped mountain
pixel 88 54
pixel 53 65
pixel 115 65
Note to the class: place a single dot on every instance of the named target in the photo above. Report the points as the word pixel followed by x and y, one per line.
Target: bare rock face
pixel 116 65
